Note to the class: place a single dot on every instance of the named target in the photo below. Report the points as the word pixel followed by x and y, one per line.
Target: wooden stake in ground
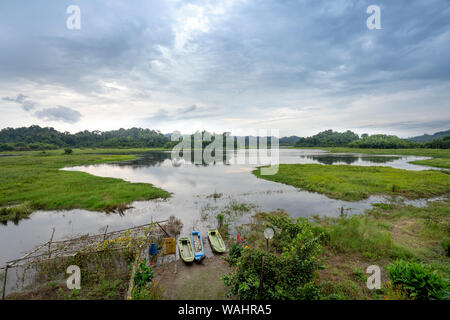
pixel 4 282
pixel 176 250
pixel 261 279
pixel 50 244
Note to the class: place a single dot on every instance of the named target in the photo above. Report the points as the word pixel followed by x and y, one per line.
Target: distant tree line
pixel 37 138
pixel 330 138
pixel 441 143
pixel 382 141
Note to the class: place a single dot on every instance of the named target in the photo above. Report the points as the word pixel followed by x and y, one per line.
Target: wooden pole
pixel 176 251
pixel 261 279
pixel 106 229
pixel 168 235
pixel 50 244
pixel 4 282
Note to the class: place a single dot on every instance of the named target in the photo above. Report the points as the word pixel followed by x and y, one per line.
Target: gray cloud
pixel 409 125
pixel 243 59
pixel 21 99
pixel 188 113
pixel 59 113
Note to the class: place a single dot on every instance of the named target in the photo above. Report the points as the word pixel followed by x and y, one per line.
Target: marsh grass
pixel 35 182
pixel 355 183
pixel 365 236
pixel 15 213
pixel 438 163
pixel 435 153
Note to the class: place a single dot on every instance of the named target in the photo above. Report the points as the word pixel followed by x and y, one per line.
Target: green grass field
pixel 35 182
pixel 354 183
pixel 435 153
pixel 438 163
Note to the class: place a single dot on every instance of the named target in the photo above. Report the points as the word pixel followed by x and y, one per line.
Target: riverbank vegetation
pixel 317 258
pixel 438 163
pixel 35 182
pixel 406 242
pixel 354 183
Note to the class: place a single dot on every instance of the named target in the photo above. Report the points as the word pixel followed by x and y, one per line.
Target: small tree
pixel 68 151
pixel 262 275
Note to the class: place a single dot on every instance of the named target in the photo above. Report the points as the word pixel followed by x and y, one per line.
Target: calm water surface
pixel 192 201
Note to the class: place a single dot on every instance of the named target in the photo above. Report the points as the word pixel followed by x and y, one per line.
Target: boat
pixel 197 245
pixel 216 241
pixel 185 248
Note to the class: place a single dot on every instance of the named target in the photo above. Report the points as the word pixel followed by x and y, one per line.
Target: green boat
pixel 185 248
pixel 216 241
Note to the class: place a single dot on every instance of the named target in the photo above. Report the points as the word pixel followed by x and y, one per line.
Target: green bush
pixel 236 251
pixel 263 275
pixel 144 275
pixel 418 279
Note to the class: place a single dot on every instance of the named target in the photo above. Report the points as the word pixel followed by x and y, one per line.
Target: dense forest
pixel 382 141
pixel 37 138
pixel 328 138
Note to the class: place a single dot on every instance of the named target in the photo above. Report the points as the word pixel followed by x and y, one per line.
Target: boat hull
pixel 197 245
pixel 216 241
pixel 186 250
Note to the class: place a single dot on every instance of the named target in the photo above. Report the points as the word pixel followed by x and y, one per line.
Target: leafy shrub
pixel 144 274
pixel 68 151
pixel 236 251
pixel 287 230
pixel 394 292
pixel 263 275
pixel 419 280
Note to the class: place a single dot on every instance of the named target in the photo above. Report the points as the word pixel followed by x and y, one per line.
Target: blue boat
pixel 197 245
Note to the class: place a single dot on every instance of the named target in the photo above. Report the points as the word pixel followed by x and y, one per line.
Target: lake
pixel 200 192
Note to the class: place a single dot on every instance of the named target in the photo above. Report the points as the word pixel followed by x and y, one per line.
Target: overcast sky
pixel 298 66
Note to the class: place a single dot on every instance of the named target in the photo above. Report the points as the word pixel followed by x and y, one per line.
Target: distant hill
pixel 429 137
pixel 288 141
